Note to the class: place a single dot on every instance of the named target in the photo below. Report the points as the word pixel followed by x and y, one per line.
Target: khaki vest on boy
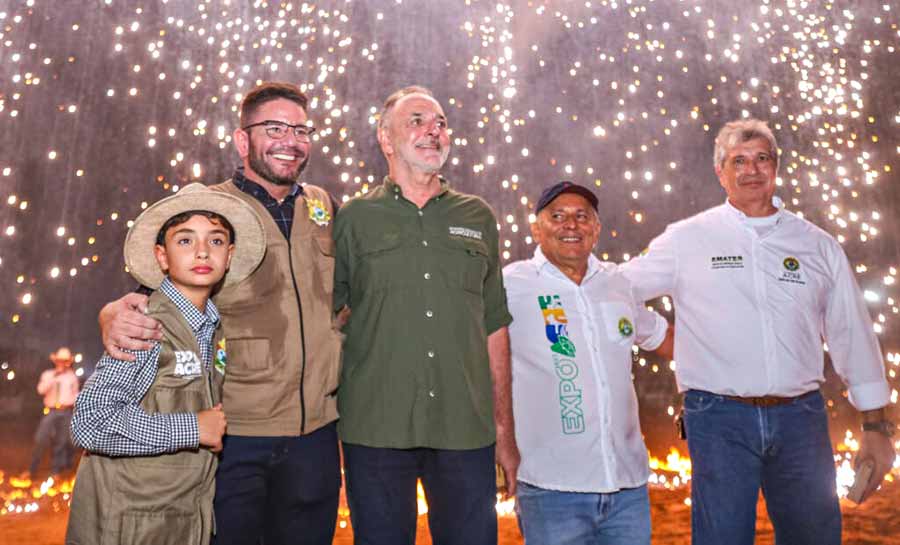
pixel 283 352
pixel 159 500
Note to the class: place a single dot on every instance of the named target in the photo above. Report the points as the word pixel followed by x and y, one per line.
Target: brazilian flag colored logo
pixel 791 264
pixel 625 327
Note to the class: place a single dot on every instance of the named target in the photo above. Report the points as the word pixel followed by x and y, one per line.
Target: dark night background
pixel 108 105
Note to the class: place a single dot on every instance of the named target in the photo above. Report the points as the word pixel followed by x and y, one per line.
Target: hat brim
pixel 250 236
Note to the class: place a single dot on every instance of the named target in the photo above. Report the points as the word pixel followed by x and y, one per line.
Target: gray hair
pixel 395 97
pixel 742 130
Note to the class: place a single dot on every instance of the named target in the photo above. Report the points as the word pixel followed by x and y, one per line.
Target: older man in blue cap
pixel 584 470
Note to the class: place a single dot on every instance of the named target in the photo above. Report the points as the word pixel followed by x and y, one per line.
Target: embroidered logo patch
pixel 792 274
pixel 791 263
pixel 220 358
pixel 726 262
pixel 465 232
pixel 187 364
pixel 318 212
pixel 625 327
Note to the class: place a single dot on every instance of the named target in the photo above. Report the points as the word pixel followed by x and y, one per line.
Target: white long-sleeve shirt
pixel 59 389
pixel 754 299
pixel 574 403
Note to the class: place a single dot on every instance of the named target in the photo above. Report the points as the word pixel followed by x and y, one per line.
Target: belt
pixel 768 401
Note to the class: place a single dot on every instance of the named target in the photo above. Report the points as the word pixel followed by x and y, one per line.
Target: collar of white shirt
pixel 545 266
pixel 768 220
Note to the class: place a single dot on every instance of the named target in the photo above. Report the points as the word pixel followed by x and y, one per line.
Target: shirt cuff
pixel 870 395
pixel 659 335
pixel 185 431
pixel 498 320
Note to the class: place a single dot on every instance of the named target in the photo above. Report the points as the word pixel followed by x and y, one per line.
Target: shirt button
pixel 396 198
pixel 427 276
pixel 429 314
pixel 431 353
pixel 424 243
pixel 421 213
pixel 430 393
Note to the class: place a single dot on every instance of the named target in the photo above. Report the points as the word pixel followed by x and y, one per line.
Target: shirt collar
pixel 252 188
pixel 192 314
pixel 776 202
pixel 394 189
pixel 545 266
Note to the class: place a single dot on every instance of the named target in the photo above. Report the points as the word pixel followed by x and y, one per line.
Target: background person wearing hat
pixel 583 476
pixel 151 426
pixel 59 386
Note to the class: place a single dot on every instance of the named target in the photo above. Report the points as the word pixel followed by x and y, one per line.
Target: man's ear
pixel 384 141
pixel 535 232
pixel 162 258
pixel 241 142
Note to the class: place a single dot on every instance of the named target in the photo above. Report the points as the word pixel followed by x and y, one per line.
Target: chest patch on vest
pixel 187 364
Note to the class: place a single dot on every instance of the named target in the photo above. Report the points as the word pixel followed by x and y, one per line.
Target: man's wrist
pixel 884 427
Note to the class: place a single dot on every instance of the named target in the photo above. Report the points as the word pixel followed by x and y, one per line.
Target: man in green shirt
pixel 425 389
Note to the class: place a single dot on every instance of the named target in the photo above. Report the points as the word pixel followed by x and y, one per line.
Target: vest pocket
pixel 325 261
pixel 251 354
pixel 159 528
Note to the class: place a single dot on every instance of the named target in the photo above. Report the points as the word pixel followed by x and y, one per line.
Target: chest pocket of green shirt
pixel 382 264
pixel 466 264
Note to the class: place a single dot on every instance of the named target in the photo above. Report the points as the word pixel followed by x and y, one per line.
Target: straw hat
pixel 250 237
pixel 63 354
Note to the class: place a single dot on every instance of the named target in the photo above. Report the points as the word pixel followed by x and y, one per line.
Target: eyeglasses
pixel 276 130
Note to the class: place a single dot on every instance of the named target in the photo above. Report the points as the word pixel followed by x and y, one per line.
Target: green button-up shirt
pixel 425 290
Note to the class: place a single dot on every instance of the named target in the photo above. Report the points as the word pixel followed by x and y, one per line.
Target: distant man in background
pixel 59 386
pixel 756 290
pixel 583 478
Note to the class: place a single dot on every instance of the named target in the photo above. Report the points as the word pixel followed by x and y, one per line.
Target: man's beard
pixel 259 166
pixel 421 164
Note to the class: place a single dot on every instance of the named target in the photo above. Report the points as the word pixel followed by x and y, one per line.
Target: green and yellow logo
pixel 791 263
pixel 625 327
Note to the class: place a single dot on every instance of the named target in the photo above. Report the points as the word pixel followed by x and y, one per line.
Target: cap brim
pixel 250 236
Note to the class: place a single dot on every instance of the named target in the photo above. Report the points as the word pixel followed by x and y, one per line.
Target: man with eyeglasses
pixel 756 290
pixel 279 474
pixel 425 390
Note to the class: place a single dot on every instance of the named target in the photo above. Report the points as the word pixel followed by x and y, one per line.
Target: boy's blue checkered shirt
pixel 108 417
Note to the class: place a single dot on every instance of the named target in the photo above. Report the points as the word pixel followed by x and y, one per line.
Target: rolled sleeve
pixel 651 329
pixel 852 345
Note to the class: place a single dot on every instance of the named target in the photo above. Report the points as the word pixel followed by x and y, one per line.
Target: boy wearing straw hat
pixel 151 426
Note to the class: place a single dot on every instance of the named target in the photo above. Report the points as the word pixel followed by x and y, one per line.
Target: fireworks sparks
pixel 622 95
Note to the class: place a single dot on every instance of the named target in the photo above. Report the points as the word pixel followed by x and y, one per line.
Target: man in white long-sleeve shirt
pixel 756 290
pixel 59 386
pixel 583 476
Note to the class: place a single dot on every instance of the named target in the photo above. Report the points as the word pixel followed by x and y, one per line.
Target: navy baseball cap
pixel 565 187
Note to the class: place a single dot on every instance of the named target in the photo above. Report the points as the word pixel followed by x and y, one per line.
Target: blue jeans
pixel 53 432
pixel 551 517
pixel 460 487
pixel 281 489
pixel 737 448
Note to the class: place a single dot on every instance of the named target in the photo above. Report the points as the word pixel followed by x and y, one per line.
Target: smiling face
pixel 415 136
pixel 748 175
pixel 278 162
pixel 196 255
pixel 567 230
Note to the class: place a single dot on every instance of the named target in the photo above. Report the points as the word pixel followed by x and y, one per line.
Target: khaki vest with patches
pixel 160 500
pixel 284 354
